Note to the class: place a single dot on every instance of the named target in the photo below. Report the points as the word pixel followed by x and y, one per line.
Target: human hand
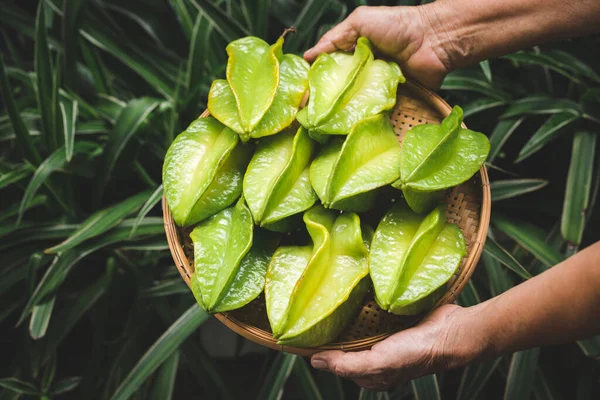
pixel 436 344
pixel 405 34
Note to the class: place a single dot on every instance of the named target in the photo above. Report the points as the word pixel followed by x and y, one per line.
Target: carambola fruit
pixel 230 262
pixel 312 292
pixel 411 257
pixel 436 157
pixel 276 183
pixel 263 89
pixel 203 171
pixel 346 88
pixel 348 169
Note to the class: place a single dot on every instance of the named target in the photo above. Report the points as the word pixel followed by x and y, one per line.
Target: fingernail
pixel 318 363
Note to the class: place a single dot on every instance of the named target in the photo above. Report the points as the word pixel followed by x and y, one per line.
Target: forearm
pixel 468 31
pixel 557 306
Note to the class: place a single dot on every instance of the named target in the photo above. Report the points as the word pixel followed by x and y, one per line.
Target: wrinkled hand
pixel 405 34
pixel 435 344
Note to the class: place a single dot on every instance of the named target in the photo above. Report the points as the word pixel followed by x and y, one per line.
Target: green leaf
pixel 166 288
pixel 23 138
pixel 65 385
pixel 55 161
pixel 479 105
pixel 548 131
pixel 521 374
pixel 500 135
pixel 306 23
pixel 163 386
pixel 543 60
pixel 68 316
pixel 70 31
pixel 530 237
pixel 579 183
pixel 100 222
pixel 474 379
pixel 68 110
pixel 17 174
pixel 426 388
pixel 18 386
pixel 199 47
pixel 499 253
pixel 273 386
pixel 160 351
pixel 456 81
pixel 506 189
pixel 541 105
pixel 258 15
pixel 47 91
pixel 227 26
pixel 570 62
pixel 40 318
pixel 182 9
pixel 305 381
pixel 487 71
pixel 468 296
pixel 543 389
pixel 590 347
pixel 128 122
pixel 499 278
pixel 65 261
pixel 366 394
pixel 147 207
pixel 95 64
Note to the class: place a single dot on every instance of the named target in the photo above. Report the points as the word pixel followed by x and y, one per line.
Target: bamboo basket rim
pixel 265 338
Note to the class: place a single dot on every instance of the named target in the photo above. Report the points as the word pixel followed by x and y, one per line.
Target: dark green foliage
pixel 93 92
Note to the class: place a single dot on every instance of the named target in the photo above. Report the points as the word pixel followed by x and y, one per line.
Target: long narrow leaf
pixel 499 253
pixel 70 30
pixel 305 381
pixel 199 48
pixel 455 81
pixel 499 280
pixel 468 296
pixel 65 385
pixel 543 60
pixel 541 105
pixel 46 89
pixel 510 188
pixel 426 388
pixel 23 138
pixel 272 388
pixel 160 351
pixel 548 131
pixel 481 105
pixel 543 389
pixel 487 71
pixel 503 130
pixel 101 221
pixel 17 174
pixel 18 386
pixel 366 394
pixel 521 374
pixel 68 112
pixel 530 238
pixel 579 184
pixel 228 27
pixel 40 318
pixel 148 205
pixel 64 262
pixel 474 379
pixel 55 161
pixel 162 389
pixel 128 122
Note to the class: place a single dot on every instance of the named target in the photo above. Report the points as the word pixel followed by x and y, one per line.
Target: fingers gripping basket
pixel 468 207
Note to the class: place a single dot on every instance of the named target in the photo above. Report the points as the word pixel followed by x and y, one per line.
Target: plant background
pixel 94 91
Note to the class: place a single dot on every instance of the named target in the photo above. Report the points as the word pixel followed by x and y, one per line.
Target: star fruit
pixel 263 90
pixel 312 292
pixel 230 262
pixel 203 171
pixel 436 157
pixel 346 88
pixel 348 169
pixel 411 257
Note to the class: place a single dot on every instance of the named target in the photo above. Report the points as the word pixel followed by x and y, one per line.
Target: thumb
pixel 346 365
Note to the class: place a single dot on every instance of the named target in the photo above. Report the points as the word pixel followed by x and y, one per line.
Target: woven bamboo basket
pixel 468 207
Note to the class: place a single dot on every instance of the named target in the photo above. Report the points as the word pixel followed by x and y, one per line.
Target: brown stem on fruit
pixel 290 29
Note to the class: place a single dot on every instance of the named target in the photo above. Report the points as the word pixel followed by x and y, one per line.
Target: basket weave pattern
pixel 468 208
